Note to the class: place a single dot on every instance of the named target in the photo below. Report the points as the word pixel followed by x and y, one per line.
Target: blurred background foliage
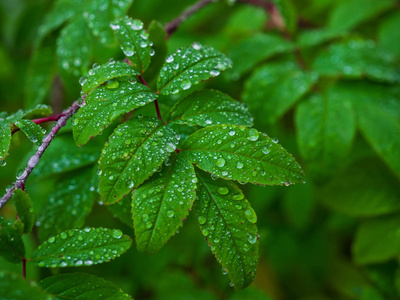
pixel 321 75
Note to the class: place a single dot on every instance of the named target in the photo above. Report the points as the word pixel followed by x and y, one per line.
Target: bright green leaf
pixel 189 65
pixel 356 59
pixel 24 208
pixel 11 245
pixel 208 107
pixel 227 221
pixel 246 19
pixel 134 42
pixel 274 88
pixel 161 204
pixel 5 140
pixel 107 103
pixel 100 74
pixel 33 131
pixel 15 287
pixel 133 153
pixel 81 247
pixel 389 33
pixel 81 286
pixel 38 111
pixel 243 154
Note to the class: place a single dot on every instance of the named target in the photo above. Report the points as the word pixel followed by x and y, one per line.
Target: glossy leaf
pixel 326 126
pixel 187 66
pixel 253 50
pixel 122 210
pixel 389 33
pixel 356 59
pixel 81 286
pixel 33 131
pixel 15 287
pixel 100 74
pixel 162 203
pixel 239 153
pixel 134 42
pixel 5 139
pixel 107 103
pixel 209 107
pixel 100 13
pixel 11 245
pixel 68 203
pixel 81 247
pixel 274 88
pixel 133 153
pixel 38 111
pixel 227 221
pixel 24 208
pixel 377 240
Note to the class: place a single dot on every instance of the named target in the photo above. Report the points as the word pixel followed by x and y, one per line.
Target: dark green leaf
pixel 389 33
pixel 122 210
pixel 100 13
pixel 246 19
pixel 81 286
pixel 68 204
pixel 239 153
pixel 133 153
pixel 161 204
pixel 275 87
pixel 189 65
pixel 348 14
pixel 227 221
pixel 24 208
pixel 11 245
pixel 100 74
pixel 253 50
pixel 33 131
pixel 78 247
pixel 107 103
pixel 326 126
pixel 356 59
pixel 208 107
pixel 5 140
pixel 15 287
pixel 134 42
pixel 315 37
pixel 377 240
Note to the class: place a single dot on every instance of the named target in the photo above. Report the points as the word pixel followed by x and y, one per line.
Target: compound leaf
pixel 33 131
pixel 134 42
pixel 189 65
pixel 78 247
pixel 107 103
pixel 243 154
pixel 161 204
pixel 275 87
pixel 208 107
pixel 11 245
pixel 227 221
pixel 133 153
pixel 81 286
pixel 24 208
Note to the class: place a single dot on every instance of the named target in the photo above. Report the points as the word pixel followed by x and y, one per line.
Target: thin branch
pixel 40 121
pixel 155 101
pixel 24 267
pixel 34 160
pixel 174 24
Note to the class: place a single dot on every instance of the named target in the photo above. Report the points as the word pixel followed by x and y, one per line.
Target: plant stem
pixel 42 120
pixel 155 101
pixel 174 24
pixel 24 267
pixel 34 160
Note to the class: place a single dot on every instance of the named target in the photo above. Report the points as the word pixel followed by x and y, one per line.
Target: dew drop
pixel 117 234
pixel 265 150
pixel 252 134
pixel 238 197
pixel 250 215
pixel 222 190
pixel 52 239
pixel 170 213
pixel 186 84
pixel 239 165
pixel 220 162
pixel 63 235
pixel 202 220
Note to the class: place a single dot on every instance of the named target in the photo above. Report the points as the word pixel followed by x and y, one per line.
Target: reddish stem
pixel 155 101
pixel 24 267
pixel 40 121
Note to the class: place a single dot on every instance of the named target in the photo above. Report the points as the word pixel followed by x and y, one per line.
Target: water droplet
pixel 252 239
pixel 238 197
pixel 137 24
pixel 224 271
pixel 205 232
pixel 196 46
pixel 52 239
pixel 130 184
pixel 275 140
pixel 202 220
pixel 222 190
pixel 186 84
pixel 252 134
pixel 63 235
pixel 220 162
pixel 117 234
pixel 170 213
pixel 148 225
pixel 265 150
pixel 239 165
pixel 250 215
pixel 169 59
pixel 75 121
pixel 231 132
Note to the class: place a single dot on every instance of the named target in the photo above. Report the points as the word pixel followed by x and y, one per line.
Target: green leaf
pixel 377 240
pixel 74 47
pixel 189 65
pixel 162 203
pixel 81 247
pixel 68 203
pixel 389 33
pixel 274 88
pixel 227 221
pixel 15 287
pixel 107 103
pixel 39 111
pixel 209 107
pixel 122 210
pixel 81 286
pixel 253 50
pixel 24 208
pixel 100 74
pixel 349 14
pixel 11 245
pixel 316 37
pixel 5 140
pixel 134 42
pixel 239 153
pixel 33 131
pixel 326 127
pixel 245 19
pixel 100 13
pixel 133 153
pixel 356 59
